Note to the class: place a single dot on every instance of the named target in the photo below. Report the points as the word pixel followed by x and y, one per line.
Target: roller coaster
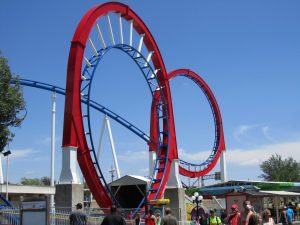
pixel 84 58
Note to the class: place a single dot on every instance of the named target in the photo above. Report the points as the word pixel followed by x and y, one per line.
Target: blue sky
pixel 247 51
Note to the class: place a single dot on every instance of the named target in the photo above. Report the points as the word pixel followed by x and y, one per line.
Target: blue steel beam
pixel 93 104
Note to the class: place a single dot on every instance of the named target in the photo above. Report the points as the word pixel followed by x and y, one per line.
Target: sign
pixel 34 205
pixel 35 211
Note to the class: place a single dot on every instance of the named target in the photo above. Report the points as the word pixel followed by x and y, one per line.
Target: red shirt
pixel 150 220
pixel 234 219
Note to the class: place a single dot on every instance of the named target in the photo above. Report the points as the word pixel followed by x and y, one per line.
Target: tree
pixel 12 104
pixel 31 181
pixel 44 181
pixel 278 169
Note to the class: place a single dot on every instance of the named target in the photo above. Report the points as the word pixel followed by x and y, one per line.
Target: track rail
pixel 81 70
pixel 97 106
pixel 186 168
pixel 78 103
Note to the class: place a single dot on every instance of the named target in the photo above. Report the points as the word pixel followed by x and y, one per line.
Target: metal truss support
pixel 106 123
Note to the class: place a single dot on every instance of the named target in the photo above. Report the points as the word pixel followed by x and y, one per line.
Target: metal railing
pixel 11 216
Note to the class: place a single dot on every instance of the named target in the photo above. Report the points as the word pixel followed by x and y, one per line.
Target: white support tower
pixel 174 179
pixel 106 123
pixel 152 158
pixel 1 171
pixel 69 174
pixel 101 137
pixel 52 203
pixel 223 166
pixel 112 145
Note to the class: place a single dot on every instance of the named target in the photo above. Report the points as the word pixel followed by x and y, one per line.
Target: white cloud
pixel 243 130
pixel 22 153
pixel 266 132
pixel 256 155
pixel 133 155
pixel 47 140
pixel 30 172
pixel 249 157
pixel 193 157
pixel 144 170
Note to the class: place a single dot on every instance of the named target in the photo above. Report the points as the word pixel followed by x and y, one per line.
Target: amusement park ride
pixel 84 58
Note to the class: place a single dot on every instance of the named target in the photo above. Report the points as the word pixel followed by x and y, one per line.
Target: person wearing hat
pixel 234 217
pixel 78 217
pixel 213 219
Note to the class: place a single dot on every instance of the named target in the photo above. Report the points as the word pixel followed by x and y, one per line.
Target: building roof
pixel 25 189
pixel 281 193
pixel 250 182
pixel 217 191
pixel 256 193
pixel 251 188
pixel 128 180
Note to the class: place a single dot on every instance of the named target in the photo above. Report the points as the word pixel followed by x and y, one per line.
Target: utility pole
pixel 52 204
pixel 112 171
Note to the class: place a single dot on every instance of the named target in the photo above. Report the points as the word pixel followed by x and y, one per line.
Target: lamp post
pixel 6 154
pixel 198 200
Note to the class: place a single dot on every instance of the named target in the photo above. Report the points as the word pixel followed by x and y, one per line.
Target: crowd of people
pixel 78 217
pixel 247 216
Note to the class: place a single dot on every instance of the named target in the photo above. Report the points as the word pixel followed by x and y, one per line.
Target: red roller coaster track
pixel 73 134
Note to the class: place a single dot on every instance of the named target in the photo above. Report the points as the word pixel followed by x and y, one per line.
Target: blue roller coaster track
pixel 93 104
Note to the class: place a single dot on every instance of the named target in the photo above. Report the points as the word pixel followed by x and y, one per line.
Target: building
pixel 262 194
pixel 16 192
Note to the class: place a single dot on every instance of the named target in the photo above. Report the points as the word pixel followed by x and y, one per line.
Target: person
pixel 223 216
pixel 168 219
pixel 213 219
pixel 266 218
pixel 129 216
pixel 290 214
pixel 248 216
pixel 150 218
pixel 203 219
pixel 157 219
pixel 114 218
pixel 195 221
pixel 137 219
pixel 234 217
pixel 283 216
pixel 78 217
pixel 298 210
